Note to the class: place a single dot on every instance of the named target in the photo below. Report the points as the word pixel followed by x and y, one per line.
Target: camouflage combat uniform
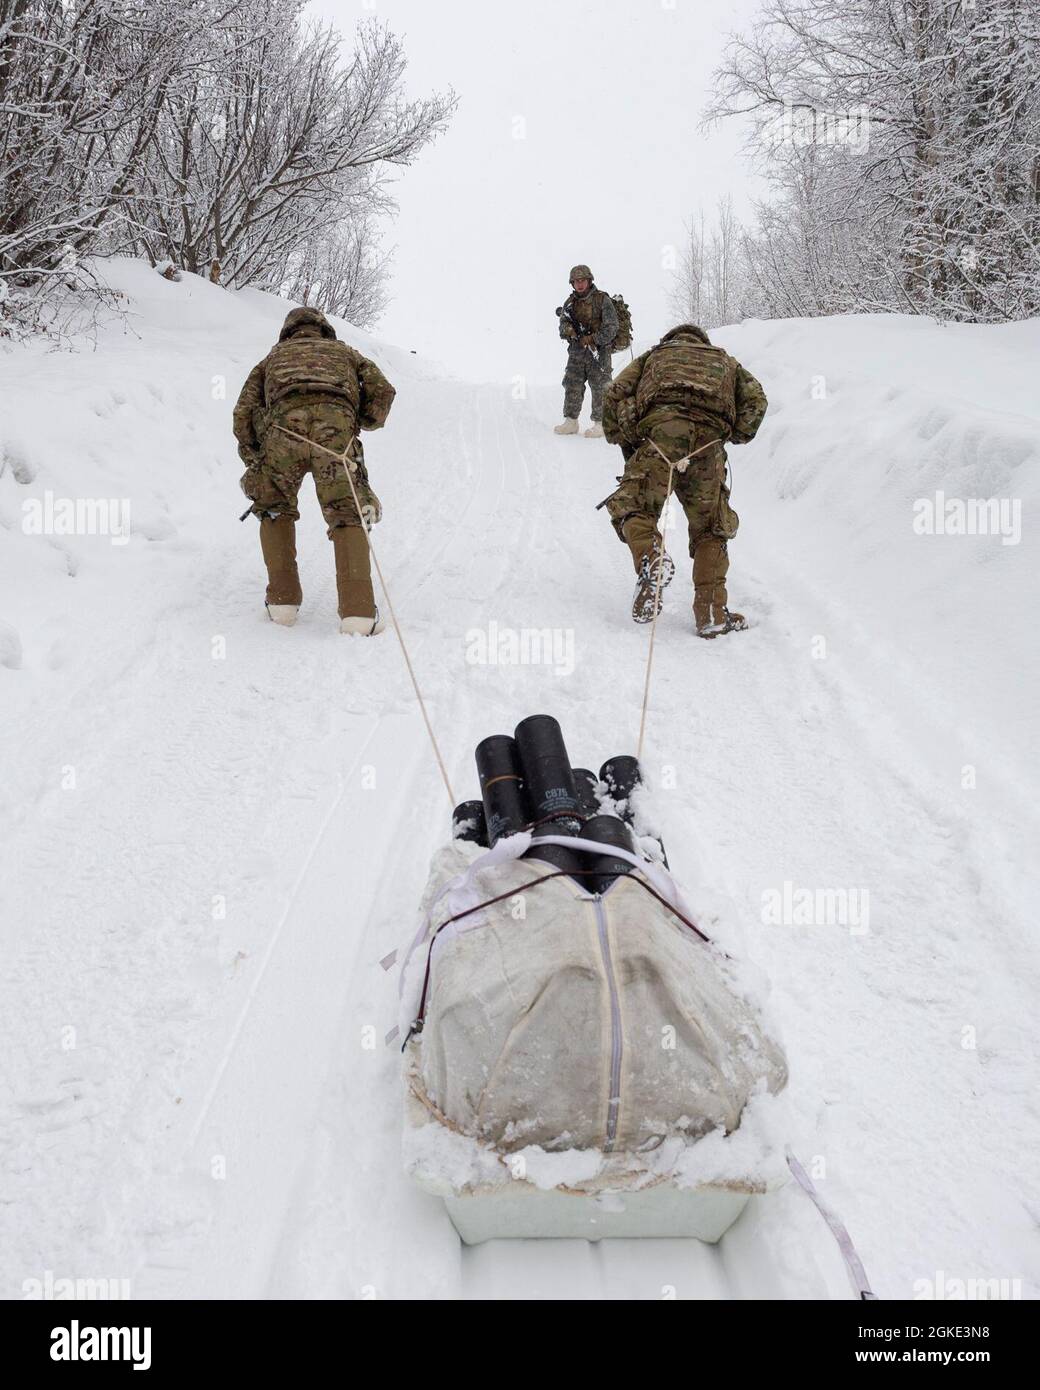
pixel 680 396
pixel 596 316
pixel 313 385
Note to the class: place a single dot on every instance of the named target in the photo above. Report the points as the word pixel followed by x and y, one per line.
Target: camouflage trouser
pixel 273 484
pixel 581 367
pixel 636 506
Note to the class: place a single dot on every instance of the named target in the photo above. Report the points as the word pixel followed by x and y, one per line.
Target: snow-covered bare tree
pixel 82 86
pixel 710 281
pixel 209 133
pixel 903 141
pixel 686 298
pixel 257 160
pixel 343 273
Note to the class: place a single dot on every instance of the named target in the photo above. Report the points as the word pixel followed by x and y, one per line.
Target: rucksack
pixel 690 376
pixel 624 324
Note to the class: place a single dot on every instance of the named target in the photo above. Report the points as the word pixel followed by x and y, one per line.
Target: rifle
pixel 627 450
pixel 564 313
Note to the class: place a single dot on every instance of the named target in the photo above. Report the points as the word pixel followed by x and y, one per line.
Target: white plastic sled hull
pixel 521 1211
pixel 621 1204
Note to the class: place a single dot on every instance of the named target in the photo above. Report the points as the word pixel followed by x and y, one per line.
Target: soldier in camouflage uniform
pixel 313 385
pixel 589 324
pixel 684 397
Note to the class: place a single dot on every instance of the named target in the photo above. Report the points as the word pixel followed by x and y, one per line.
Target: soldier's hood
pixel 306 318
pixel 687 330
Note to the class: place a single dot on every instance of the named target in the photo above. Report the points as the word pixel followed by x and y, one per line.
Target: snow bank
pixel 881 433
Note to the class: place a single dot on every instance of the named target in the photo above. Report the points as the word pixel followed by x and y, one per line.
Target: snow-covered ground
pixel 212 829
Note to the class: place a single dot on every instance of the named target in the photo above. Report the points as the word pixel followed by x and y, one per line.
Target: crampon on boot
pixel 647 582
pixel 724 621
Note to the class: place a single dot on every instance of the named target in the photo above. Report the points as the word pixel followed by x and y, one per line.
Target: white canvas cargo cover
pixel 567 1021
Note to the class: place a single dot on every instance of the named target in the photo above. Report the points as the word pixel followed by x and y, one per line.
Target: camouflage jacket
pixel 594 311
pixel 684 374
pixel 309 359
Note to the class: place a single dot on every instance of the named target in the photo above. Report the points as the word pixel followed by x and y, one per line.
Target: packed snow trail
pixel 197 1092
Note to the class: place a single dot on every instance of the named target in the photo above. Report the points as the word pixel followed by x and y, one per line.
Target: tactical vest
pixel 691 377
pixel 588 311
pixel 310 364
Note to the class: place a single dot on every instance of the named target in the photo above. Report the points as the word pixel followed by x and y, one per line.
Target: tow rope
pixel 680 466
pixel 345 461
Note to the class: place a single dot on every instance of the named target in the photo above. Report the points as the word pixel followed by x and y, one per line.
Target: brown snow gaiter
pixel 353 573
pixel 710 566
pixel 278 543
pixel 640 536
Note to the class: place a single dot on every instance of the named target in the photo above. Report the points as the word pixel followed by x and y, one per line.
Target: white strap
pixel 853 1263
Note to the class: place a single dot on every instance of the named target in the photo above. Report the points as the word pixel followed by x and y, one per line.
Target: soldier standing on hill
pixel 589 325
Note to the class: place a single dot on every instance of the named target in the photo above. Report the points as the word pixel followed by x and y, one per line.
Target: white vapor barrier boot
pixel 284 614
pixel 362 627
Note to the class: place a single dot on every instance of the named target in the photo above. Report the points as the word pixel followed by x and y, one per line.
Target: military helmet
pixel 688 330
pixel 305 318
pixel 581 272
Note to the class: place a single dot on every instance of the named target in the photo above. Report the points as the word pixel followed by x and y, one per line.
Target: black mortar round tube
pixel 609 830
pixel 622 775
pixel 546 769
pixel 586 784
pixel 569 861
pixel 500 786
pixel 469 822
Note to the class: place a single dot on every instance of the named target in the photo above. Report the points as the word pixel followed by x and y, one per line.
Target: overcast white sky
pixel 576 139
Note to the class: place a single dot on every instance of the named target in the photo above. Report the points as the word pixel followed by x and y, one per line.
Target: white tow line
pixel 853 1263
